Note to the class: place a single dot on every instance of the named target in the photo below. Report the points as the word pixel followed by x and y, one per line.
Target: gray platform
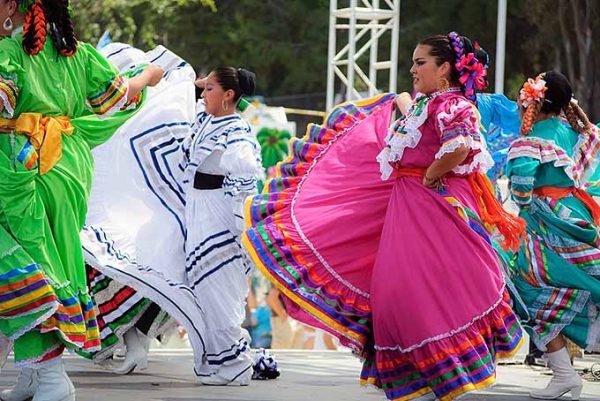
pixel 307 376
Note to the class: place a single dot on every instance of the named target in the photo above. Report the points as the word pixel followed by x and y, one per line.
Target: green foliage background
pixel 285 41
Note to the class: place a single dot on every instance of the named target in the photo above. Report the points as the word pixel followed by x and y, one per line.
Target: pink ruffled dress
pixel 404 275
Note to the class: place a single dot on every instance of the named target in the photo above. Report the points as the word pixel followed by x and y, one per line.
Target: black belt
pixel 208 181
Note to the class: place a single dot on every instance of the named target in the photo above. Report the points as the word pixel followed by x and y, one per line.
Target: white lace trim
pixel 33 363
pixel 396 144
pixel 522 180
pixel 53 307
pixel 481 162
pixel 8 111
pixel 448 334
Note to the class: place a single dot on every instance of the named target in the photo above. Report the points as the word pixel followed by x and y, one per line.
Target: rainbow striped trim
pixel 547 151
pixel 448 367
pixel 28 156
pixel 586 156
pixel 292 266
pixel 468 216
pixel 75 320
pixel 24 291
pixel 9 93
pixel 113 98
pixel 554 307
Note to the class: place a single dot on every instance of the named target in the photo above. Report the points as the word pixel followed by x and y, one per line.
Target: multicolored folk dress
pixel 404 275
pixel 556 271
pixel 222 149
pixel 46 170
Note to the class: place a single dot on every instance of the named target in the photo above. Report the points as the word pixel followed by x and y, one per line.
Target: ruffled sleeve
pixel 521 174
pixel 458 125
pixel 241 151
pixel 106 90
pixel 241 160
pixel 586 155
pixel 11 73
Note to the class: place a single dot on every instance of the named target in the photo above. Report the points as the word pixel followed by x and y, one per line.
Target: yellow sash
pixel 45 134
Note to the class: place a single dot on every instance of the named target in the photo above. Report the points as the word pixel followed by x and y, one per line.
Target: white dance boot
pixel 54 384
pixel 564 380
pixel 232 373
pixel 137 352
pixel 24 389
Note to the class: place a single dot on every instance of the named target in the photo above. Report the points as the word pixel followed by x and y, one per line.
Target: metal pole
pixel 394 49
pixel 500 46
pixel 331 55
pixel 373 56
pixel 351 51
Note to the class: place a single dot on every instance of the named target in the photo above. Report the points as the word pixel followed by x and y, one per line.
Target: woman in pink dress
pixel 402 270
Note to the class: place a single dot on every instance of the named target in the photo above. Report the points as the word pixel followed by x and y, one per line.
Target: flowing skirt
pixel 396 271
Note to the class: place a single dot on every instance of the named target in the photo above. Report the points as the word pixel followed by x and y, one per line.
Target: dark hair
pixel 558 98
pixel 53 15
pixel 240 80
pixel 559 92
pixel 442 50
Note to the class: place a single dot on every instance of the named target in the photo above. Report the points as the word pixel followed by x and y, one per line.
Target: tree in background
pixel 143 23
pixel 567 39
pixel 285 41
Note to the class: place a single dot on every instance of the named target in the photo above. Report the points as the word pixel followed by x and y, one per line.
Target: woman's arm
pixel 275 303
pixel 403 102
pixel 149 77
pixel 441 166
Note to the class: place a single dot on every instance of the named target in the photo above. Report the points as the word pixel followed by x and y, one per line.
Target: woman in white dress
pixel 221 166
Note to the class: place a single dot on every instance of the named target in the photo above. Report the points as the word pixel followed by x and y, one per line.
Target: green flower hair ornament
pixel 274 145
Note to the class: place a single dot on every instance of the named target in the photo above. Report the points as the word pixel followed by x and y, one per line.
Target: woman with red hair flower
pixel 395 258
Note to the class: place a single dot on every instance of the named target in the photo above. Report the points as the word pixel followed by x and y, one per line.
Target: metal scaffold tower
pixel 365 22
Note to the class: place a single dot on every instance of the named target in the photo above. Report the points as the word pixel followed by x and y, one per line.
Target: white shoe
pixel 216 379
pixel 54 384
pixel 24 389
pixel 137 352
pixel 565 378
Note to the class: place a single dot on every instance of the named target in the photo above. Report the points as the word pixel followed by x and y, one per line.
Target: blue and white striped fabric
pixel 135 228
pixel 215 265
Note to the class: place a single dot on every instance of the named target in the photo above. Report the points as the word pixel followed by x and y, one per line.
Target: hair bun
pixel 247 81
pixel 482 56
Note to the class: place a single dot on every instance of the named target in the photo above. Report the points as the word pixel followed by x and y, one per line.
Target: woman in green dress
pixel 50 88
pixel 557 269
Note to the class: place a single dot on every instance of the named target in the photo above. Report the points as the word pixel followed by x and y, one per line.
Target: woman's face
pixel 217 101
pixel 427 75
pixel 7 9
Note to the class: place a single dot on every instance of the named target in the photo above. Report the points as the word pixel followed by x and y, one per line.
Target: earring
pixel 7 24
pixel 224 105
pixel 444 85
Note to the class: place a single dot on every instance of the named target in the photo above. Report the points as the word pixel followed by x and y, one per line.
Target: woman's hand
pixel 433 183
pixel 403 102
pixel 155 74
pixel 151 76
pixel 200 82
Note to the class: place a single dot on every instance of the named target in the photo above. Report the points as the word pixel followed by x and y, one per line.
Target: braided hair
pixel 552 93
pixel 52 15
